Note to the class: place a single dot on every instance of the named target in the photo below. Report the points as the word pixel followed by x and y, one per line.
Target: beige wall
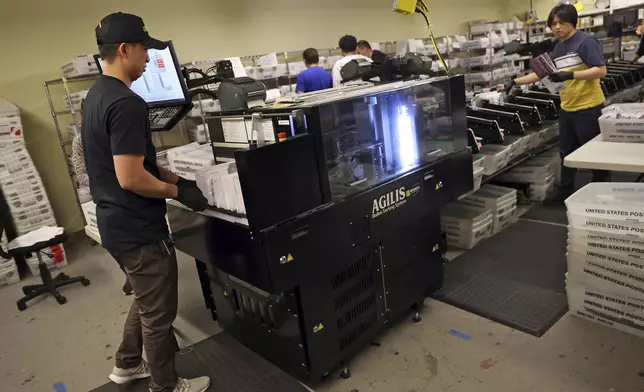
pixel 36 37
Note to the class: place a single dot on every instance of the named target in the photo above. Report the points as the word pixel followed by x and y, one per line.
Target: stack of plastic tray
pixel 551 156
pixel 477 166
pixel 8 269
pixel 497 157
pixel 605 280
pixel 520 144
pixel 19 179
pixel 501 201
pixel 539 174
pixel 464 226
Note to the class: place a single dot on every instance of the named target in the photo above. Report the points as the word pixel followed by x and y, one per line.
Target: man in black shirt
pixel 129 190
pixel 364 48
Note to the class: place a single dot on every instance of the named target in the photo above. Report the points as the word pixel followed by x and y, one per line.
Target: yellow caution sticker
pixel 318 328
pixel 579 6
pixel 289 258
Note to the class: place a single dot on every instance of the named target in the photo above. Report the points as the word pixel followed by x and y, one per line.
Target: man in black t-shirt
pixel 129 190
pixel 364 48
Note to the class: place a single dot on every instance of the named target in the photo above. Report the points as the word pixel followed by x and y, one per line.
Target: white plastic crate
pixel 465 226
pixel 478 161
pixel 622 127
pixel 540 192
pixel 8 272
pixel 520 143
pixel 609 201
pixel 504 219
pixel 582 254
pixel 478 178
pixel 624 107
pixel 614 310
pixel 469 239
pixel 609 278
pixel 606 242
pixel 530 171
pixel 492 197
pixel 496 158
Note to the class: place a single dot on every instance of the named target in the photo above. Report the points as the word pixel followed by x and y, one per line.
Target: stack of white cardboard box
pixel 81 65
pixel 605 280
pixel 22 185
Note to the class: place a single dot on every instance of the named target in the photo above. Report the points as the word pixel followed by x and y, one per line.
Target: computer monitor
pixel 162 86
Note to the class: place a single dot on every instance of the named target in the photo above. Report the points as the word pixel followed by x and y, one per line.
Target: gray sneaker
pixel 123 376
pixel 199 384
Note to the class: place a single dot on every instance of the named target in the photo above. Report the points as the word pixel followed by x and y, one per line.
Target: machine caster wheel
pixel 61 300
pixel 21 306
pixel 346 374
pixel 417 318
pixel 85 282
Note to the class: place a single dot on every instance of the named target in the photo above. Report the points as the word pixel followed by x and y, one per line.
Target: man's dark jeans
pixel 152 271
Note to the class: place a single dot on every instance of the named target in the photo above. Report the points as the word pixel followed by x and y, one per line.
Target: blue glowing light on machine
pixel 407 143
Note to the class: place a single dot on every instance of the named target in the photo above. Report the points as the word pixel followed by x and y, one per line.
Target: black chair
pixel 49 284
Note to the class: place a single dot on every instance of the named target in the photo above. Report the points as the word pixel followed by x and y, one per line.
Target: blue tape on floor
pixel 59 387
pixel 459 335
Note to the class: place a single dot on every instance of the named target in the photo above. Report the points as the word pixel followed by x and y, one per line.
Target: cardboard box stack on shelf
pixel 22 185
pixel 605 279
pixel 81 65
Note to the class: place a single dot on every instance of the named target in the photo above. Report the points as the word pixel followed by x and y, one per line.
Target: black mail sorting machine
pixel 342 233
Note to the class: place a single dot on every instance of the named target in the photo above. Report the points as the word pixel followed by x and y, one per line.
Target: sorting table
pixel 598 154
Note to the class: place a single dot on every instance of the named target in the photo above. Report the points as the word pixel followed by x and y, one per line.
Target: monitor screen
pixel 161 82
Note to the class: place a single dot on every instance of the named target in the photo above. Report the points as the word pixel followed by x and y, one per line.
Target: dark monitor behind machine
pixel 163 87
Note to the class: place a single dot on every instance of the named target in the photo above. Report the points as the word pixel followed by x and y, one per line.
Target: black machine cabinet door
pixel 412 264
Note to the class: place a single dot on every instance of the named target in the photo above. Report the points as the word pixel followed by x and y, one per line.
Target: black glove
pixel 191 198
pixel 186 183
pixel 559 77
pixel 509 89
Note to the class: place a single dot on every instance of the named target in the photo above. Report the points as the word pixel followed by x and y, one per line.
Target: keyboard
pixel 158 117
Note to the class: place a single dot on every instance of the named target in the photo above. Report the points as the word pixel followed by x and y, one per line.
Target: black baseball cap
pixel 119 27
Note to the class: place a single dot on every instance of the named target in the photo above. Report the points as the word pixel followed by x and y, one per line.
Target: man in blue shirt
pixel 314 78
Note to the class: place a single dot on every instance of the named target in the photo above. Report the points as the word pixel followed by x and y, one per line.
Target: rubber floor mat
pixel 516 278
pixel 549 211
pixel 231 366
